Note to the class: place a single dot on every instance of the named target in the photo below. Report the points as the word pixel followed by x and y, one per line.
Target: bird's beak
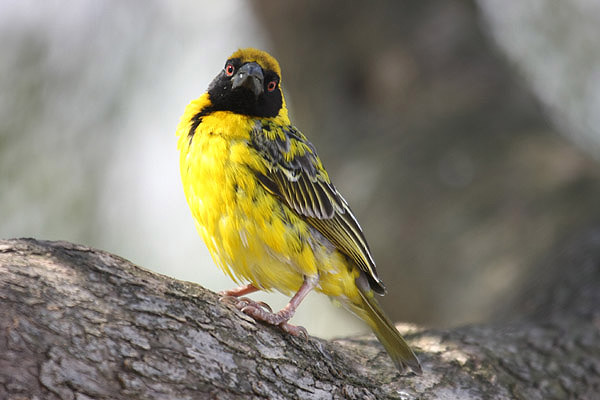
pixel 251 77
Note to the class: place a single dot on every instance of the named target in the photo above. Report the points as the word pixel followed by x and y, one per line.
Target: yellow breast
pixel 250 233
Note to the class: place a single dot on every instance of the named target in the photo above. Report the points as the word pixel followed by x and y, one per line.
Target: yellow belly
pixel 250 233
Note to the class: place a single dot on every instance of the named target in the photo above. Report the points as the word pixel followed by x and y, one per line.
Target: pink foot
pixel 262 312
pixel 241 302
pixel 280 318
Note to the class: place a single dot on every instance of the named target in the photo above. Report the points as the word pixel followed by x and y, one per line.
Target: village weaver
pixel 266 208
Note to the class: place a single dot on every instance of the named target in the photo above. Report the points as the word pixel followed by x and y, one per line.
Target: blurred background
pixel 464 134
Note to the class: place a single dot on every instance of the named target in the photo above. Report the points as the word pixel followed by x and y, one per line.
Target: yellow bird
pixel 266 208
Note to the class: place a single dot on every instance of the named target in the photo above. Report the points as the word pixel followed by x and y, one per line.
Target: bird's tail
pixel 369 310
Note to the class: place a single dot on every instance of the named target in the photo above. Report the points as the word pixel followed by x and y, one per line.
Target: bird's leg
pixel 240 291
pixel 233 297
pixel 282 317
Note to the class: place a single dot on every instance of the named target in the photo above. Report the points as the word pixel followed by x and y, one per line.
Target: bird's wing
pixel 295 174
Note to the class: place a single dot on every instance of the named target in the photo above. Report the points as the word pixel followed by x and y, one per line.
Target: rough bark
pixel 79 323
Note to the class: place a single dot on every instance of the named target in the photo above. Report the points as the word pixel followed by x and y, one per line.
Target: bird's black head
pixel 248 85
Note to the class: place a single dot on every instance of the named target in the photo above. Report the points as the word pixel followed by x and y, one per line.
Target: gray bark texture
pixel 80 323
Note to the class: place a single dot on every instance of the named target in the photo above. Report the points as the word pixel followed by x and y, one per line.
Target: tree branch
pixel 79 323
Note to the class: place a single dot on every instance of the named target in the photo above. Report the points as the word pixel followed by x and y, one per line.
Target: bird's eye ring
pixel 271 86
pixel 229 69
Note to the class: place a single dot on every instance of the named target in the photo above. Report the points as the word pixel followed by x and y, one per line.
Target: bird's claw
pixel 263 305
pixel 261 311
pixel 280 319
pixel 241 302
pixel 228 299
pixel 294 330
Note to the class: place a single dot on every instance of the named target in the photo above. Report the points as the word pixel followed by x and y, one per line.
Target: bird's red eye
pixel 229 69
pixel 271 86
